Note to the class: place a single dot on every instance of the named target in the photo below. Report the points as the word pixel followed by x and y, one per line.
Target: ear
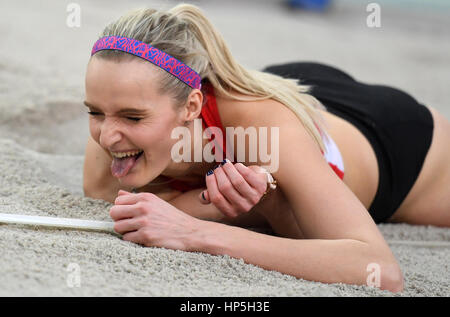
pixel 193 106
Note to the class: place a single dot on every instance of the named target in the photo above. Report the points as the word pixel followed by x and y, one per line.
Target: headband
pixel 151 54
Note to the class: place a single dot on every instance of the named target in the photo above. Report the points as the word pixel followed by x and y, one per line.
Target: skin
pixel 427 203
pixel 347 238
pixel 109 90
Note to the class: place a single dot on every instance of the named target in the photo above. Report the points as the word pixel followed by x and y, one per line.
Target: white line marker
pixel 56 222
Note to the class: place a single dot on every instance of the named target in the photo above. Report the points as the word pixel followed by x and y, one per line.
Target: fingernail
pixel 216 167
pixel 209 172
pixel 224 161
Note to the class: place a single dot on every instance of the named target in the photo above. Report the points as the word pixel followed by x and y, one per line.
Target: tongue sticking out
pixel 121 166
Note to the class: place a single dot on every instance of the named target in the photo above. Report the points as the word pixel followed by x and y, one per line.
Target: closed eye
pixel 99 114
pixel 133 119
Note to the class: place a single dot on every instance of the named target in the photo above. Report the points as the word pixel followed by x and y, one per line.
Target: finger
pixel 125 225
pixel 204 197
pixel 238 181
pixel 129 199
pixel 217 198
pixel 227 189
pixel 131 224
pixel 134 236
pixel 123 192
pixel 257 180
pixel 118 212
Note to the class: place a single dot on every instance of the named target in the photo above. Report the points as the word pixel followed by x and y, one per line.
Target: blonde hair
pixel 185 33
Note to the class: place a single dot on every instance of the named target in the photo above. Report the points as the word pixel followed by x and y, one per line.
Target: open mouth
pixel 120 167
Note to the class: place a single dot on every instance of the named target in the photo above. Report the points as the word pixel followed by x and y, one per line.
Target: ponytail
pixel 185 33
pixel 226 74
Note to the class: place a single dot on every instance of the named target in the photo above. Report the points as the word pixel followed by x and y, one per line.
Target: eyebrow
pixel 126 110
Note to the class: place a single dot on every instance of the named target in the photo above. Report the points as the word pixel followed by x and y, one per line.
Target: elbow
pixel 102 195
pixel 385 273
pixel 87 187
pixel 88 192
pixel 392 278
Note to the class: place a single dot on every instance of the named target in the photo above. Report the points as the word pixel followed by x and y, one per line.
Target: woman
pixel 350 155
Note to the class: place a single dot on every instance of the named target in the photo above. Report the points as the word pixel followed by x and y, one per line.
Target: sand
pixel 43 132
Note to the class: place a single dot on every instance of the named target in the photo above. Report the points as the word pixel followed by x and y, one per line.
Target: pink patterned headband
pixel 151 54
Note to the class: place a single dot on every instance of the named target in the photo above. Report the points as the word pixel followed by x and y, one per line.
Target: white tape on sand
pixel 56 222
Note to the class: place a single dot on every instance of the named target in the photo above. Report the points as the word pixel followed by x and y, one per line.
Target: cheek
pixel 156 140
pixel 94 129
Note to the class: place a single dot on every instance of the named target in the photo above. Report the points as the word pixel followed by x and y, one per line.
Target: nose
pixel 109 132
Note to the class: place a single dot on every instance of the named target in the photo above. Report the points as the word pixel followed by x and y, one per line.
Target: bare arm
pixel 327 261
pixel 189 203
pixel 273 212
pixel 342 239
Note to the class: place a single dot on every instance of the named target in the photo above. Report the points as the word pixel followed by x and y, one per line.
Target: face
pixel 111 89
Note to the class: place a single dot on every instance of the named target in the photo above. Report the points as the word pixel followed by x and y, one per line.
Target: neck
pixel 191 171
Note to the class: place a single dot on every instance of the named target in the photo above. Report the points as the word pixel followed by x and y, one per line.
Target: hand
pixel 146 219
pixel 235 188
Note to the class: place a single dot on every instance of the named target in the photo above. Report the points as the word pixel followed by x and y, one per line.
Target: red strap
pixel 210 118
pixel 337 170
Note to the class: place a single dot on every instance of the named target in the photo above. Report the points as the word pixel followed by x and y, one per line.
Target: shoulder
pixel 274 126
pixel 234 113
pixel 324 207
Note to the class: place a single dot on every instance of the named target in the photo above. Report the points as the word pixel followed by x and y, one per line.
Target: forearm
pixel 328 261
pixel 108 191
pixel 189 203
pixel 107 195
